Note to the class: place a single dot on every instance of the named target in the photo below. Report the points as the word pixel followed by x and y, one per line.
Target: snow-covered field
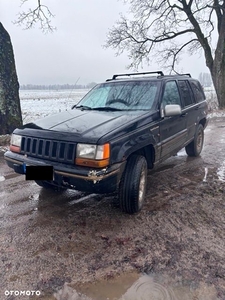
pixel 36 104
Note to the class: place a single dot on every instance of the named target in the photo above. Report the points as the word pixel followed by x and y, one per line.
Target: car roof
pixel 147 76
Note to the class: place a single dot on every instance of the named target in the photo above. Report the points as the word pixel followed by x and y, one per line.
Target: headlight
pixel 16 140
pixel 86 150
pixel 93 155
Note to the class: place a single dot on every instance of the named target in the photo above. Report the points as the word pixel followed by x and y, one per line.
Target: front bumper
pixel 84 179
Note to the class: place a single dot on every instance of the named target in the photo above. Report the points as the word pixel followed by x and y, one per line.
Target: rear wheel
pixel 133 185
pixel 47 185
pixel 195 147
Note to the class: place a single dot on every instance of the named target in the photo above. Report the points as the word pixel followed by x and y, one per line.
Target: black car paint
pixel 126 131
pixel 130 131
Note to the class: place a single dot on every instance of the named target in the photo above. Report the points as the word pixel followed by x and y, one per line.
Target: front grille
pixel 49 149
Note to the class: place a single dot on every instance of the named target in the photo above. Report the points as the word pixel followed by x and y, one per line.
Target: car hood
pixel 86 125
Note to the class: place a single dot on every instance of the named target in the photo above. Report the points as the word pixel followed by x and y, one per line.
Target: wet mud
pixel 175 245
pixel 144 287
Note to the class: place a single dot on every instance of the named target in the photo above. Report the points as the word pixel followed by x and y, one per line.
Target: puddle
pixel 88 197
pixel 2 178
pixel 136 287
pixel 221 172
pixel 68 293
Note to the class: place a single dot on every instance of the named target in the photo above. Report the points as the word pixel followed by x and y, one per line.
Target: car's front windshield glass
pixel 133 95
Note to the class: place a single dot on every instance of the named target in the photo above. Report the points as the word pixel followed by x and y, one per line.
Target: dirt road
pixel 48 239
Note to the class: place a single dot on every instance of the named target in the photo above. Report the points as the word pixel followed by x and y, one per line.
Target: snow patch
pixel 221 172
pixel 2 178
pixel 39 104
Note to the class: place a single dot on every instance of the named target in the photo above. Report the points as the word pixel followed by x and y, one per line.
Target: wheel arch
pixel 148 152
pixel 203 122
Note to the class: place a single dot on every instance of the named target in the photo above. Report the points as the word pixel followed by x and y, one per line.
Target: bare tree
pixel 10 110
pixel 166 28
pixel 41 15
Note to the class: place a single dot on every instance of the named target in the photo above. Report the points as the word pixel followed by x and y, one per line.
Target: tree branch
pixel 41 14
pixel 203 41
pixel 158 22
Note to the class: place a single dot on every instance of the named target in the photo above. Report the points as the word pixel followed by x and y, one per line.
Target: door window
pixel 171 94
pixel 187 97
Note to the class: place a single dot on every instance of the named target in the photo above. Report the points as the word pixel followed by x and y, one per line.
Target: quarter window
pixel 198 92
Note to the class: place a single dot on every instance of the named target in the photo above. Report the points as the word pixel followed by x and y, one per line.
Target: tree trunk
pixel 218 78
pixel 10 110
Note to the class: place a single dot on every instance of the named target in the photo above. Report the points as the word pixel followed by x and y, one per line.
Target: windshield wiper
pixel 107 108
pixel 84 107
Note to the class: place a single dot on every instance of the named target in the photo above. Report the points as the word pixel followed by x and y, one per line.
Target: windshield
pixel 134 95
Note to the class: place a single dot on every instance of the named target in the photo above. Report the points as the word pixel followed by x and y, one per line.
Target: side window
pixel 186 94
pixel 198 92
pixel 171 94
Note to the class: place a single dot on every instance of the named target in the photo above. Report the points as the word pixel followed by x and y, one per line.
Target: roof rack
pixel 178 74
pixel 132 74
pixel 188 74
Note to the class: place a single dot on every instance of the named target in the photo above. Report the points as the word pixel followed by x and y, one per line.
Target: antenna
pixel 74 87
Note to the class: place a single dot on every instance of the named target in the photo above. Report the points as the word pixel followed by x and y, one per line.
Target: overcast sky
pixel 75 49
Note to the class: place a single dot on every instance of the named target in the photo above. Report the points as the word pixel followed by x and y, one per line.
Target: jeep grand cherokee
pixel 121 128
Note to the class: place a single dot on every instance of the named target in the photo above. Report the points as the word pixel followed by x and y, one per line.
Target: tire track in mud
pixel 49 239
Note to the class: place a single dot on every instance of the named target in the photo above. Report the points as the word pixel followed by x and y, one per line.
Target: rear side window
pixel 186 93
pixel 197 90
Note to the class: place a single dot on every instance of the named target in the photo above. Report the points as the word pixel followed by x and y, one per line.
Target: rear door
pixel 173 133
pixel 189 108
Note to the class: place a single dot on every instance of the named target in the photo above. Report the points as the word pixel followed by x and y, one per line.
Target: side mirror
pixel 172 110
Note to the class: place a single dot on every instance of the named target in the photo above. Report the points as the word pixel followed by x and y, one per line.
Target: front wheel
pixel 195 147
pixel 132 188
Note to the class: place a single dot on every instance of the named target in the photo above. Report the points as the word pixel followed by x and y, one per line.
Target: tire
pixel 48 186
pixel 195 147
pixel 132 188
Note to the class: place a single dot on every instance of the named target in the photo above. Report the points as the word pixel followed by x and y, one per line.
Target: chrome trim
pixel 13 160
pixel 91 177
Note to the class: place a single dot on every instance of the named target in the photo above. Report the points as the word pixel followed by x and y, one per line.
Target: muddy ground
pixel 48 239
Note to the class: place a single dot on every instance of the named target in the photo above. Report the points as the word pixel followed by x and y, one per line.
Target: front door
pixel 173 132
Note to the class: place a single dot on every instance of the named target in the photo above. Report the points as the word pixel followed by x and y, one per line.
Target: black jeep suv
pixel 121 128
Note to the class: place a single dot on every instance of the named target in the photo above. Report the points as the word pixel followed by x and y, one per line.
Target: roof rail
pixel 187 74
pixel 143 73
